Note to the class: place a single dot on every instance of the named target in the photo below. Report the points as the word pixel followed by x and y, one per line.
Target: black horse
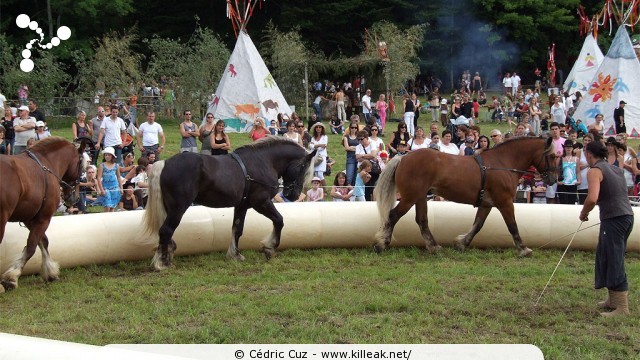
pixel 247 178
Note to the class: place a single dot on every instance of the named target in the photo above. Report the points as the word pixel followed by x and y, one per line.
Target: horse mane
pixel 49 144
pixel 266 142
pixel 510 141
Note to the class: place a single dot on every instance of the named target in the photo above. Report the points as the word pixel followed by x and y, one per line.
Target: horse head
pixel 547 163
pixel 296 175
pixel 79 160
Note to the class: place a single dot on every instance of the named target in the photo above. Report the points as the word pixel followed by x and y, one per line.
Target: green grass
pixel 333 296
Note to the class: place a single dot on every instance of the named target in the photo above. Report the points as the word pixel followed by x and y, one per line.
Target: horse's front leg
pixel 239 214
pixel 10 277
pixel 423 223
pixel 271 242
pixel 510 219
pixel 463 241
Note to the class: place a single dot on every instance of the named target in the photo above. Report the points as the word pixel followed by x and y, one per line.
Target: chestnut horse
pixel 30 193
pixel 486 180
pixel 247 178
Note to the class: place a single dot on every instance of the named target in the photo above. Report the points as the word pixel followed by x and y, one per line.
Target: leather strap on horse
pixel 44 171
pixel 247 178
pixel 483 178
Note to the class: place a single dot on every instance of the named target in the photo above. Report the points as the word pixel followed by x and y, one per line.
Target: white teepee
pixel 585 67
pixel 617 79
pixel 246 89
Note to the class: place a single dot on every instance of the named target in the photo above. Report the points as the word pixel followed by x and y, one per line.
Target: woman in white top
pixel 291 133
pixel 319 142
pixel 419 141
pixel 446 146
pixel 374 140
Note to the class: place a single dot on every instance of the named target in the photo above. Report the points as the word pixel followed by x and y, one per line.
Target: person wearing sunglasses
pixel 400 135
pixel 350 142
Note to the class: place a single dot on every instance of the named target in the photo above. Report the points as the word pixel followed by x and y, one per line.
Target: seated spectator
pixel 127 165
pixel 273 127
pixel 419 141
pixel 337 125
pixel 5 147
pixel 446 146
pixel 402 148
pixel 141 182
pixel 341 190
pixel 316 193
pixel 279 198
pixel 128 201
pixel 88 188
pixel 258 131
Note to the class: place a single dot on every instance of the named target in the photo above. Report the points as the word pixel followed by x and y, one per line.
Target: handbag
pixel 375 165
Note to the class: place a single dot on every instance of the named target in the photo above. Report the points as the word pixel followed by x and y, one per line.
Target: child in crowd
pixel 341 191
pixel 539 189
pixel 108 181
pixel 523 191
pixel 362 178
pixel 316 193
pixel 128 201
pixel 402 148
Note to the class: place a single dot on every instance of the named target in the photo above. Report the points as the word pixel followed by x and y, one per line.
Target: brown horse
pixel 30 193
pixel 487 180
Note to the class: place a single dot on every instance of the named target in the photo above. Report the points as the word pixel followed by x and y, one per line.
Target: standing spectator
pixel 535 112
pixel 292 134
pixel 149 135
pixel 259 130
pixel 23 94
pixel 10 134
pixel 24 127
pixel 189 133
pixel 434 104
pixel 400 135
pixel 506 83
pixel 362 179
pixel 316 193
pixel 109 184
pixel 409 113
pixel 112 131
pixel 366 105
pixel 317 111
pixel 539 189
pixel 570 176
pixel 558 111
pixel 618 118
pixel 206 130
pixel 35 113
pixel 416 108
pixel 444 112
pixel 583 167
pixel 466 107
pixel 220 144
pixel 303 133
pixel 350 142
pixel 88 185
pixel 273 127
pixel 381 107
pixel 3 99
pixel 496 137
pixel 319 141
pixel 96 122
pixel 476 84
pixel 515 84
pixel 342 113
pixel 314 119
pixel 80 128
pixel 366 151
pixel 41 133
pixel 608 190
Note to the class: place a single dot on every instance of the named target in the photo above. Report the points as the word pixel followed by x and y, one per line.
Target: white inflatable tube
pixel 17 347
pixel 109 238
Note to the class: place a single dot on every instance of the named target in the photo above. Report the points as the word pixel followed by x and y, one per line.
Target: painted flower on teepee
pixel 603 88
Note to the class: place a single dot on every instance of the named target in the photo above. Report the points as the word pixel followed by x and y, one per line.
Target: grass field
pixel 331 296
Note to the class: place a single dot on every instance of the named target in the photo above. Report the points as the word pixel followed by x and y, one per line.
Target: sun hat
pixel 315 178
pixel 109 150
pixel 444 101
pixel 313 127
pixel 39 123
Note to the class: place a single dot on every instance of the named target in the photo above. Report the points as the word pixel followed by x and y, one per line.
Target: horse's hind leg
pixel 423 223
pixel 463 241
pixel 271 242
pixel 510 219
pixel 383 236
pixel 239 213
pixel 50 270
pixel 10 277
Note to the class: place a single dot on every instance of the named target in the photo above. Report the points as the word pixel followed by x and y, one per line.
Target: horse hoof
pixel 378 248
pixel 458 245
pixel 269 253
pixel 433 249
pixel 526 252
pixel 237 257
pixel 52 278
pixel 8 285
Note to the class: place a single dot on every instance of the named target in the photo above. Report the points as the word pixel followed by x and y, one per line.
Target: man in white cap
pixel 112 130
pixel 24 126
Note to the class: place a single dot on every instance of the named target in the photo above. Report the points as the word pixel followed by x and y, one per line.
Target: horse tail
pixel 155 213
pixel 385 191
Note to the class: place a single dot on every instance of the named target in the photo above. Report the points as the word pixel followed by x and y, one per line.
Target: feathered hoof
pixel 269 253
pixel 52 278
pixel 236 257
pixel 526 252
pixel 434 249
pixel 378 248
pixel 8 285
pixel 459 245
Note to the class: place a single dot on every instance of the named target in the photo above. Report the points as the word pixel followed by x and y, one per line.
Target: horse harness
pixel 483 175
pixel 46 170
pixel 247 178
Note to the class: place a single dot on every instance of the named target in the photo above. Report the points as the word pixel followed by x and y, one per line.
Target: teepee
pixel 247 88
pixel 584 68
pixel 617 78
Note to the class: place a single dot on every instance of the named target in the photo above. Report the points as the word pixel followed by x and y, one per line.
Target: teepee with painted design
pixel 585 67
pixel 246 89
pixel 617 78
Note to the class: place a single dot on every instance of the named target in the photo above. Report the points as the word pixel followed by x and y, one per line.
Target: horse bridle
pixel 483 174
pixel 47 170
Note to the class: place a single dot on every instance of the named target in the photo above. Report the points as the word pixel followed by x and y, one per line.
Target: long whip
pixel 562 257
